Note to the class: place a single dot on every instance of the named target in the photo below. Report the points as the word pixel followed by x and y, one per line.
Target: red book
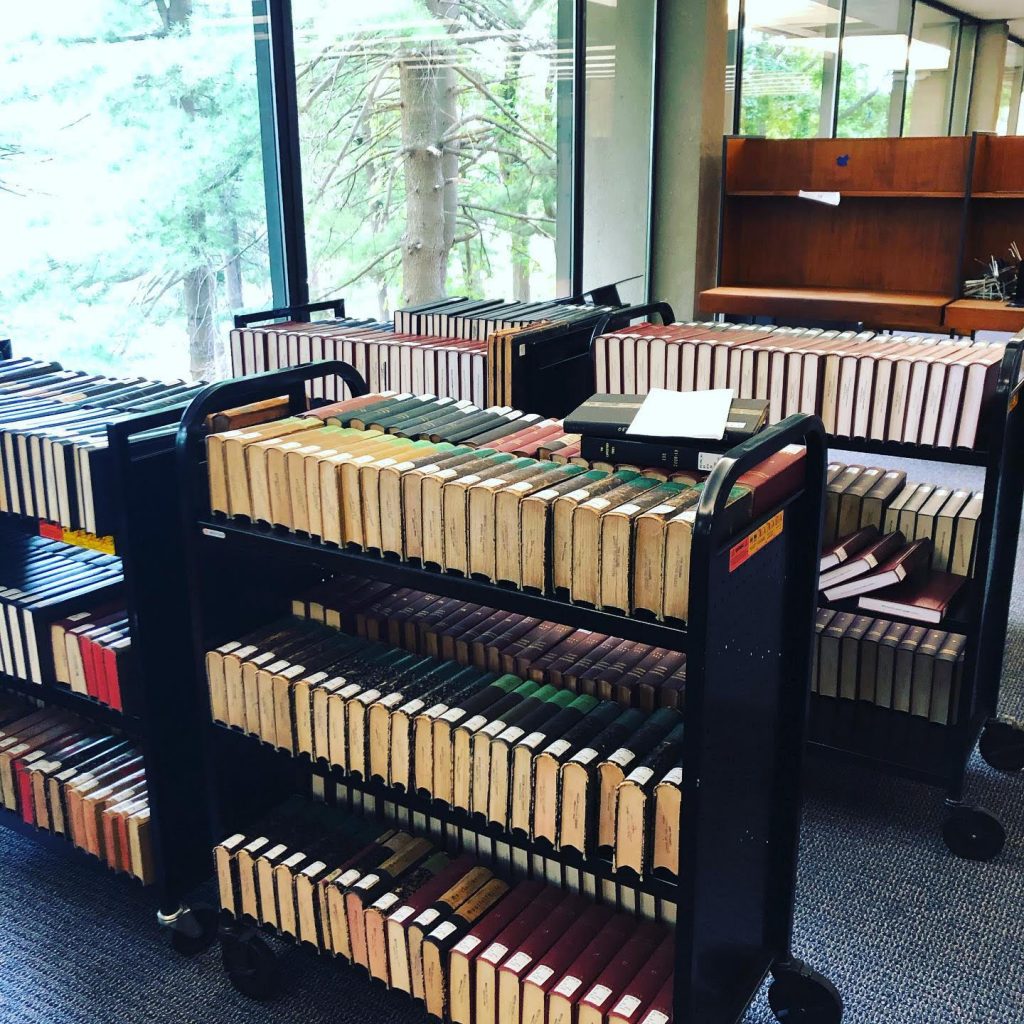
pixel 56 738
pixel 924 598
pixel 110 656
pixel 640 993
pixel 349 405
pixel 623 968
pixel 908 562
pixel 775 479
pixel 660 1009
pixel 536 432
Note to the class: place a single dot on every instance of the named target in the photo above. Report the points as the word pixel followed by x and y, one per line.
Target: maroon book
pixel 866 560
pixel 847 546
pixel 906 563
pixel 921 598
pixel 775 479
pixel 638 995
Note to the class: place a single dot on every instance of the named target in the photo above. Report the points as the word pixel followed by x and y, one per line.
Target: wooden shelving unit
pixel 746 697
pixel 914 217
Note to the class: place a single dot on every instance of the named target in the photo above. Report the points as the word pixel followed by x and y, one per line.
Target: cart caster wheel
pixel 193 930
pixel 250 963
pixel 800 993
pixel 1002 745
pixel 974 833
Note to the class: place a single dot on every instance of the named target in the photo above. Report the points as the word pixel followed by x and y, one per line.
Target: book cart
pixel 745 708
pixel 156 719
pixel 897 743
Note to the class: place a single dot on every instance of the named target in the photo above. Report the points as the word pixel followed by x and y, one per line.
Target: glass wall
pixel 932 67
pixel 1010 99
pixel 429 145
pixel 131 183
pixel 863 68
pixel 789 67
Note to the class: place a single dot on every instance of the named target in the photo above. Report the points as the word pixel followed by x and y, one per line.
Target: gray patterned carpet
pixel 909 934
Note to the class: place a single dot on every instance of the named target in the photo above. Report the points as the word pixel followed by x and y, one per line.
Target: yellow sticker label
pixel 753 542
pixel 84 539
pixel 1014 399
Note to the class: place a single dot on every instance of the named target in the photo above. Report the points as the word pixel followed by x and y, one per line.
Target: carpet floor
pixel 908 933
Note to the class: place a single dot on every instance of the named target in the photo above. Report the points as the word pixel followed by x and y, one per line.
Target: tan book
pixel 224 855
pixel 649 551
pixel 877 501
pixel 911 509
pixel 945 528
pixel 944 691
pixel 833 494
pixel 885 672
pixel 668 802
pixel 373 522
pixel 965 539
pixel 564 517
pixel 892 513
pixel 851 501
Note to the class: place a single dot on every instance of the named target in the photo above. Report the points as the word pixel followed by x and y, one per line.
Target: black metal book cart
pixel 159 712
pixel 895 742
pixel 745 711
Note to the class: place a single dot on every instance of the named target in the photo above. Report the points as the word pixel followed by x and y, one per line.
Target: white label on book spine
pixel 413 707
pixel 706 461
pixel 523 485
pixel 402 914
pixel 386 902
pixel 492 481
pixel 567 985
pixel 437 709
pixel 518 962
pixel 452 715
pixel 368 697
pixel 626 1005
pixel 511 734
pixel 558 748
pixel 427 918
pixel 656 1017
pixel 475 723
pixel 467 945
pixel 368 882
pixel 548 494
pixel 348 691
pixel 349 877
pixel 495 728
pixel 659 510
pixel 674 777
pixel 533 739
pixel 540 974
pixel 494 952
pixel 442 931
pixel 585 756
pixel 578 495
pixel 622 757
pixel 641 776
pixel 628 510
pixel 598 503
pixel 597 995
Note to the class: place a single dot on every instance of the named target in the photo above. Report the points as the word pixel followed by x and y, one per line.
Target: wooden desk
pixel 911 311
pixel 965 316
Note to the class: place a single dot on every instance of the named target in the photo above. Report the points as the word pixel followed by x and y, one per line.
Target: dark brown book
pixel 639 994
pixel 905 564
pixel 775 479
pixel 612 981
pixel 845 547
pixel 924 598
pixel 860 562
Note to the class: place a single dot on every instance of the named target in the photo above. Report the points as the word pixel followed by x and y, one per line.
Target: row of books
pixel 91 651
pixel 857 497
pixel 470 946
pixel 41 580
pixel 618 540
pixel 61 775
pixel 577 771
pixel 451 347
pixel 912 669
pixel 53 431
pixel 923 389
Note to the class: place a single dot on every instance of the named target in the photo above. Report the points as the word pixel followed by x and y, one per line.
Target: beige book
pixel 945 527
pixel 295 473
pixel 423 748
pixel 58 634
pixel 330 497
pixel 563 516
pixel 444 754
pixel 250 690
pixel 535 529
pixel 306 886
pixel 851 501
pixel 509 543
pixel 329 728
pixel 911 508
pixel 302 711
pixel 216 468
pixel 610 775
pixel 223 857
pixel 649 552
pixel 324 910
pixel 617 545
pixel 356 708
pixel 453 555
pixel 245 865
pixel 217 682
pixel 239 499
pixel 284 883
pixel 546 793
pixel 965 539
pixel 668 800
pixel 281 716
pixel 359 493
pixel 521 796
pixel 233 662
pixel 481 787
pixel 577 777
pixel 266 890
pixel 892 513
pixel 401 748
pixel 341 943
pixel 678 551
pixel 314 502
pixel 462 759
pixel 140 846
pixel 379 735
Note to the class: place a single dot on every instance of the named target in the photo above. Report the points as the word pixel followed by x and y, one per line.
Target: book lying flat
pixel 904 564
pixel 858 562
pixel 921 598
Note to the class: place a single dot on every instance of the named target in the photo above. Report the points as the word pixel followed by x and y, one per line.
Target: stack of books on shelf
pixel 41 580
pixel 53 434
pixel 894 550
pixel 91 651
pixel 60 775
pixel 472 947
pixel 921 389
pixel 458 348
pixel 423 493
pixel 502 716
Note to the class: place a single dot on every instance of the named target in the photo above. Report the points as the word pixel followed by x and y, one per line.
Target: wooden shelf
pixel 856 194
pixel 904 310
pixel 965 316
pixel 997 195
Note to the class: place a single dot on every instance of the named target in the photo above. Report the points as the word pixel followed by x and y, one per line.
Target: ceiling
pixel 995 10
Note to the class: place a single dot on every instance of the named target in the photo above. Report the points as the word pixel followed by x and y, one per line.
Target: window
pixel 1013 79
pixel 430 148
pixel 617 161
pixel 874 68
pixel 964 77
pixel 131 183
pixel 932 61
pixel 730 67
pixel 789 67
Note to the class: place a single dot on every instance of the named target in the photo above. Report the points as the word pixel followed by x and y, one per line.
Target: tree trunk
pixel 427 91
pixel 201 306
pixel 233 271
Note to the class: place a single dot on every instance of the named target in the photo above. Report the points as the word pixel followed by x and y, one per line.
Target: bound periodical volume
pixel 61 775
pixel 445 929
pixel 41 580
pixel 53 430
pixel 479 728
pixel 91 651
pixel 894 665
pixel 923 389
pixel 455 348
pixel 618 541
